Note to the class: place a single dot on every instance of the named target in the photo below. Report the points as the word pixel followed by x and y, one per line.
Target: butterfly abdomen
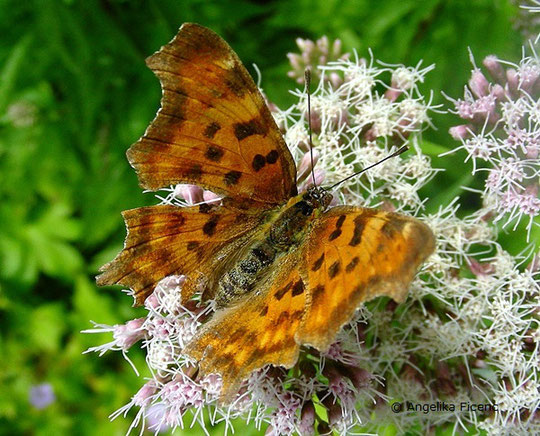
pixel 284 233
pixel 242 278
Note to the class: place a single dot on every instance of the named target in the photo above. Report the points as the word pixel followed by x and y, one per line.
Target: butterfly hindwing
pixel 257 331
pixel 353 255
pixel 168 240
pixel 214 128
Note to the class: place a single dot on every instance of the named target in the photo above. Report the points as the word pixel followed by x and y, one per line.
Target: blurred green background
pixel 75 93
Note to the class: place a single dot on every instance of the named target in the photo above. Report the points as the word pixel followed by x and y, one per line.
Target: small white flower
pixel 160 355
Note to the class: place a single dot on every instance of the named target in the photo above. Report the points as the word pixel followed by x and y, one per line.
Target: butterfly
pixel 285 269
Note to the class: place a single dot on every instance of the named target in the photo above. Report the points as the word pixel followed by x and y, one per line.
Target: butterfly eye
pixel 313 192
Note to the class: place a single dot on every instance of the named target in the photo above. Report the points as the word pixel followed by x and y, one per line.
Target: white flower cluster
pixel 467 335
pixel 355 125
pixel 502 136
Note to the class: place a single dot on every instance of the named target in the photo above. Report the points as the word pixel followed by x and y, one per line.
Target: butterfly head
pixel 317 197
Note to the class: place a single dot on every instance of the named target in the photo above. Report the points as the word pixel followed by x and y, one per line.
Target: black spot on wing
pixel 258 162
pixel 192 245
pixel 283 317
pixel 263 311
pixel 250 128
pixel 272 157
pixel 340 221
pixel 235 81
pixel 335 234
pixel 209 227
pixel 205 208
pixel 232 178
pixel 211 130
pixel 317 264
pixel 279 294
pixel 352 264
pixel 298 288
pixel 334 269
pixel 194 172
pixel 214 153
pixel 359 225
pixel 317 291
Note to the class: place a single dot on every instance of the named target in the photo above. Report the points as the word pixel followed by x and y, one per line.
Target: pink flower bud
pixel 210 197
pixel 494 68
pixel 335 80
pixel 370 135
pixel 322 44
pixel 533 150
pixel 498 92
pixel 145 393
pixel 512 78
pixel 152 302
pixel 305 44
pixel 306 426
pixel 304 169
pixel 392 94
pixel 336 48
pixel 191 193
pixel 479 84
pixel 444 383
pixel 480 269
pixel 335 414
pixel 294 60
pixel 359 377
pixel 128 334
pixel 460 132
pixel 135 324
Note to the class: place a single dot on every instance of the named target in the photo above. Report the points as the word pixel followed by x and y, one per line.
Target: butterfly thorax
pixel 285 230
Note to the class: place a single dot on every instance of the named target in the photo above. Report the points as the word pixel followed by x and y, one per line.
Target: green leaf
pixel 12 68
pixel 46 325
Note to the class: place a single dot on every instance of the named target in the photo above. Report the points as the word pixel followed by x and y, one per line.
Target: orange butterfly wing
pixel 166 240
pixel 214 128
pixel 255 332
pixel 353 255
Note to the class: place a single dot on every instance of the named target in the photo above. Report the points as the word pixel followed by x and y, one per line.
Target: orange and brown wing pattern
pixel 353 255
pixel 166 240
pixel 256 332
pixel 214 128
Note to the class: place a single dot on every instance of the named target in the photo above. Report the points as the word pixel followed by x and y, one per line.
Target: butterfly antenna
pixel 307 76
pixel 396 153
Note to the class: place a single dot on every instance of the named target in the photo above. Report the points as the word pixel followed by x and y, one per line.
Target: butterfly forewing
pixel 214 128
pixel 353 255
